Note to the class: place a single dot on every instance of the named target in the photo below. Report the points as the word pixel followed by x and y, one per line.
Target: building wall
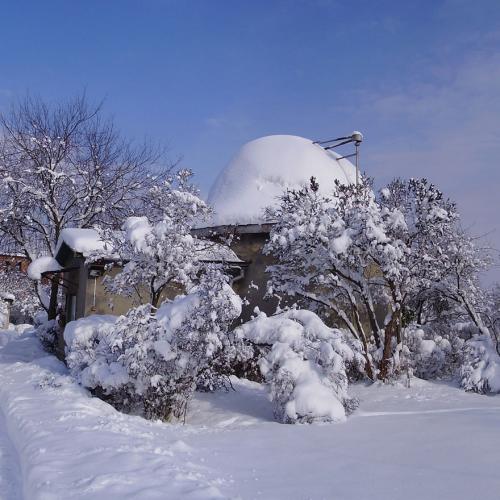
pixel 99 301
pixel 14 262
pixel 249 282
pixel 253 285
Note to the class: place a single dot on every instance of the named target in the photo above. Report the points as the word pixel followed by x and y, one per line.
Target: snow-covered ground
pixel 431 441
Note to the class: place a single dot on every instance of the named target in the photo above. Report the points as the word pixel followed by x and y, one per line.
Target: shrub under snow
pixel 4 314
pixel 429 355
pixel 156 361
pixel 480 371
pixel 304 365
pixel 90 354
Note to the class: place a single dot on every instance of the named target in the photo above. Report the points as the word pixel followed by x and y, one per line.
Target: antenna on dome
pixel 356 137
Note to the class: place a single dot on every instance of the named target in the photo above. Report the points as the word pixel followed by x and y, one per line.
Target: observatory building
pixel 254 179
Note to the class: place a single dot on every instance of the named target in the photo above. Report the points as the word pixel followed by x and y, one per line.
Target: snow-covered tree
pixel 464 262
pixel 480 370
pixel 26 303
pixel 429 355
pixel 353 251
pixel 310 240
pixel 419 222
pixel 492 314
pixel 63 165
pixel 159 252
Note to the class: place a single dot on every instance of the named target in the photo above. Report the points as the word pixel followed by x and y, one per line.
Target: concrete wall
pixel 250 284
pixel 99 301
pixel 253 285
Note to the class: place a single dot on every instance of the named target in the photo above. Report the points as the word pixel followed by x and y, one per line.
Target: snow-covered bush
pixel 153 360
pixel 304 365
pixel 429 355
pixel 47 331
pixel 90 353
pixel 480 371
pixel 4 313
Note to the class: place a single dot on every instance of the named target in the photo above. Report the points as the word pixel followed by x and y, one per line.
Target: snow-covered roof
pixel 42 265
pixel 84 241
pixel 87 241
pixel 262 169
pixel 210 251
pixel 7 296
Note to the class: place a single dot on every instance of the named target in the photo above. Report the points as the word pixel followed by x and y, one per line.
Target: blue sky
pixel 420 79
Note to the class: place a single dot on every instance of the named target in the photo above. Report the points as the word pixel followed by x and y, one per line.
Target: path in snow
pixel 10 471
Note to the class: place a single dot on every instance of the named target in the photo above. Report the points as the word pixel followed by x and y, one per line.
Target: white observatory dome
pixel 262 169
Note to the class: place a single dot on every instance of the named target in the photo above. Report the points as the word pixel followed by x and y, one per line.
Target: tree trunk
pixel 54 291
pixel 368 365
pixel 373 322
pixel 392 330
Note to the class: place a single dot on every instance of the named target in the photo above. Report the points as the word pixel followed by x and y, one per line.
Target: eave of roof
pixel 234 229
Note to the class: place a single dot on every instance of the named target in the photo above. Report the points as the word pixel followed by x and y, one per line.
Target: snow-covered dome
pixel 262 169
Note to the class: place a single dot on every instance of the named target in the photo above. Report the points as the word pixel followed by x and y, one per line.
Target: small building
pixel 254 179
pixel 82 279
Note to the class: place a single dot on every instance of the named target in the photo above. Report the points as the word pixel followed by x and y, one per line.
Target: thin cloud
pixel 447 131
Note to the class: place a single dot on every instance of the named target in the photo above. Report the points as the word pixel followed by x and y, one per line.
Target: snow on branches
pixel 354 252
pixel 65 166
pixel 480 370
pixel 303 364
pixel 24 293
pixel 154 362
pixel 159 251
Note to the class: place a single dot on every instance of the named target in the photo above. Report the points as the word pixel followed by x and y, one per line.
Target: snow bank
pixel 67 444
pixel 45 264
pixel 262 169
pixel 7 296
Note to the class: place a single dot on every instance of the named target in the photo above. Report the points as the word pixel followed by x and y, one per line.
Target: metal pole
pixel 357 164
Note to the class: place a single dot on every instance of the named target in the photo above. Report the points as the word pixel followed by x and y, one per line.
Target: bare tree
pixel 65 165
